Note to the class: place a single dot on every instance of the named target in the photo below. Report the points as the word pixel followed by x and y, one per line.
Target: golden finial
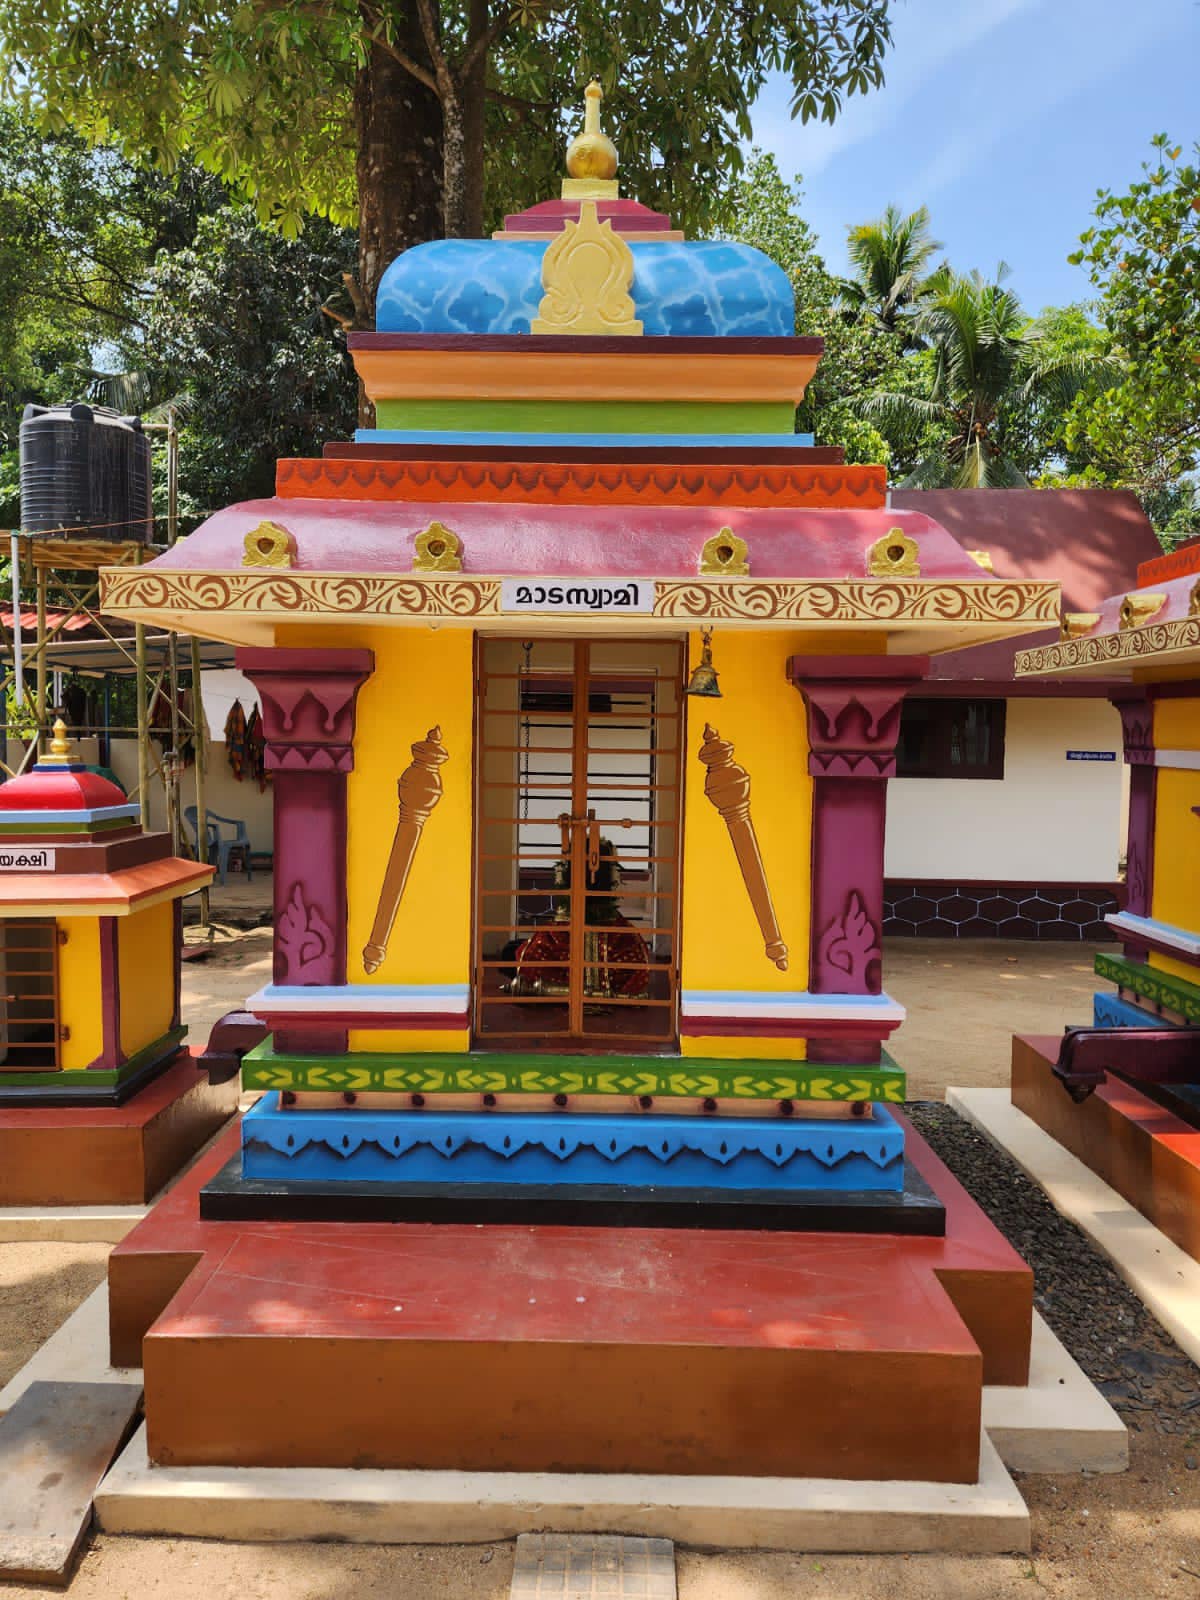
pixel 591 155
pixel 60 746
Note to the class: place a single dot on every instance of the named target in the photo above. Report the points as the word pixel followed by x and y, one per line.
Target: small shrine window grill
pixel 577 843
pixel 30 1035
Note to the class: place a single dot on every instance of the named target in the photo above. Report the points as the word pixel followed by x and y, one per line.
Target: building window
pixel 951 739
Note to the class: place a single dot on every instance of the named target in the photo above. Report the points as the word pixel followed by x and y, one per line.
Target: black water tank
pixel 85 474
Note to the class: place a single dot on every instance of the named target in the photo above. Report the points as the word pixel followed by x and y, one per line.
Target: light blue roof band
pixel 605 441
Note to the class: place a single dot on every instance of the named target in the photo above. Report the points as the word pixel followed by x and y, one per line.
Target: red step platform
pixel 1142 1149
pixel 510 1348
pixel 111 1155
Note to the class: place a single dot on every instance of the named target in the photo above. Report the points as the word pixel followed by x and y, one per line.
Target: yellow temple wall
pixel 81 1000
pixel 146 973
pixel 421 679
pixel 1176 889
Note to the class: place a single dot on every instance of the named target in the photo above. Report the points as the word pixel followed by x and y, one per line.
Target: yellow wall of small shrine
pixel 146 969
pixel 80 1002
pixel 762 716
pixel 422 679
pixel 1176 890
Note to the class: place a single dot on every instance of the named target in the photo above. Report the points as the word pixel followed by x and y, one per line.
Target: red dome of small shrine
pixel 57 784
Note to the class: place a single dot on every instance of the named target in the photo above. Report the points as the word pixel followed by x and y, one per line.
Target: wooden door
pixel 577 841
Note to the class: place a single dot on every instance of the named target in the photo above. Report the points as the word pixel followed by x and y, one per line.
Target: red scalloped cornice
pixel 583 483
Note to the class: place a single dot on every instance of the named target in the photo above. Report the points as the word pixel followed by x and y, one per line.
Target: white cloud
pixel 980 125
pixel 927 35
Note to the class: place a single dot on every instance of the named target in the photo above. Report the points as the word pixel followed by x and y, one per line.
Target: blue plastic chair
pixel 221 850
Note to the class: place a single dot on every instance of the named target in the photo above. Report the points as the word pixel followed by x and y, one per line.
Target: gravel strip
pixel 1124 1351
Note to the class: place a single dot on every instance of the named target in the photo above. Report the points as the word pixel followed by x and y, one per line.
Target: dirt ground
pixel 1131 1536
pixel 966 999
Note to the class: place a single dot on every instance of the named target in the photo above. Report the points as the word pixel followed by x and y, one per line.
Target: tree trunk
pixel 454 169
pixel 474 111
pixel 399 158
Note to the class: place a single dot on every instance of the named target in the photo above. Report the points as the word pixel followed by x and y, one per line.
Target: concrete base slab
pixel 1060 1422
pixel 1162 1275
pixel 584 1566
pixel 76 1353
pixel 68 1224
pixel 372 1506
pixel 88 1224
pixel 55 1445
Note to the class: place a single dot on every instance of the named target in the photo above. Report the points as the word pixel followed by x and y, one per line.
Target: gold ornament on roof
pixel 983 558
pixel 1076 623
pixel 1138 608
pixel 1194 600
pixel 894 556
pixel 269 545
pixel 587 273
pixel 59 754
pixel 591 155
pixel 437 549
pixel 725 555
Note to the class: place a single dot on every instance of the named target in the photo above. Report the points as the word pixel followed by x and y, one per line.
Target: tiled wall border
pixel 934 908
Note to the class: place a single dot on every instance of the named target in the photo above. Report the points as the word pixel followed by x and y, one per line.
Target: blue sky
pixel 1004 117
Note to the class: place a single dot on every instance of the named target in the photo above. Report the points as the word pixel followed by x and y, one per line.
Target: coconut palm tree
pixel 988 363
pixel 891 259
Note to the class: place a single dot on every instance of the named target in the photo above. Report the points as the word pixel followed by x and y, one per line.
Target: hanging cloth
pixel 235 739
pixel 256 750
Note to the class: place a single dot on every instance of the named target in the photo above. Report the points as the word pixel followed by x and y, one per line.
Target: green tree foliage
pixel 1143 256
pixel 236 322
pixel 891 261
pixel 294 104
pixel 860 352
pixel 988 367
pixel 78 230
pixel 122 285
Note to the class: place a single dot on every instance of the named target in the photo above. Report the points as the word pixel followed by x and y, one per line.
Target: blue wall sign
pixel 1091 755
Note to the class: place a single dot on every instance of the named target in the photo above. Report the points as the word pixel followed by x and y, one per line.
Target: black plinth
pixel 915 1210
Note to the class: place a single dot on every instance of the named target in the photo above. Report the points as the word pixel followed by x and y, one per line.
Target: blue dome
pixel 705 289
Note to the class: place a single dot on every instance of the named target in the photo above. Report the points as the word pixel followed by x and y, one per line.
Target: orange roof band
pixel 640 374
pixel 100 894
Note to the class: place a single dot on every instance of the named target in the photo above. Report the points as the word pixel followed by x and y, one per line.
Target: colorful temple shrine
pixel 581 675
pixel 1133 1078
pixel 97 1104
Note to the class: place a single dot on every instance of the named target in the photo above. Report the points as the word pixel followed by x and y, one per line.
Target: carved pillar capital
pixel 1136 709
pixel 308 699
pixel 308 707
pixel 853 705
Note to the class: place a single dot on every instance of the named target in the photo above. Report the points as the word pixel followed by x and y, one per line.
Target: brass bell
pixel 703 681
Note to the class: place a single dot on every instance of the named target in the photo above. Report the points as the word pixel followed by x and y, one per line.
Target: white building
pixel 1007 816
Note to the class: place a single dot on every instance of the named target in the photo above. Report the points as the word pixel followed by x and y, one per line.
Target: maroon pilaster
pixel 111 1055
pixel 1137 734
pixel 853 705
pixel 308 702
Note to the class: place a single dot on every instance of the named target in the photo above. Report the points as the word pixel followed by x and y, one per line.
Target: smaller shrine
pixel 1131 1109
pixel 97 1105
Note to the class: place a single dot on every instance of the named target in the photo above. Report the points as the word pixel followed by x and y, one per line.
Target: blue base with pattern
pixel 1111 1011
pixel 860 1155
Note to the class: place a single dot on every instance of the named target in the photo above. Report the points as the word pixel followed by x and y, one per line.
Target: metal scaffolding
pixel 66 564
